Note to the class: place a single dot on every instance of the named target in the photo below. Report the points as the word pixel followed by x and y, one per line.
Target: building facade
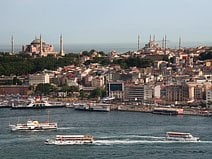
pixel 209 98
pixel 138 92
pixel 115 89
pixel 175 93
pixel 36 79
pixel 14 89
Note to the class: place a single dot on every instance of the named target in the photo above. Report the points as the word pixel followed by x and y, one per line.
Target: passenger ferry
pixel 168 111
pixel 33 125
pixel 70 140
pixel 180 136
pixel 81 106
pixel 38 103
pixel 102 107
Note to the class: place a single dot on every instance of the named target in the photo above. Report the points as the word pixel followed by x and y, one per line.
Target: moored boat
pixel 92 107
pixel 39 103
pixel 102 107
pixel 168 111
pixel 180 136
pixel 70 140
pixel 81 106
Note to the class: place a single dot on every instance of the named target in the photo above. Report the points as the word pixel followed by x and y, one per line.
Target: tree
pixel 82 94
pixel 16 81
pixel 44 88
pixel 98 92
pixel 73 89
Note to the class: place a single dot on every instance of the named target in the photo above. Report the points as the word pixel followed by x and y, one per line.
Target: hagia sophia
pixel 39 48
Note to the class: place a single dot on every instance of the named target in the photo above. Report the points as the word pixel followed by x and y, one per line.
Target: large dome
pixel 36 41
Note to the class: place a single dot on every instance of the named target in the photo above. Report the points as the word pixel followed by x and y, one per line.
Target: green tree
pixel 16 81
pixel 82 94
pixel 74 89
pixel 98 92
pixel 44 88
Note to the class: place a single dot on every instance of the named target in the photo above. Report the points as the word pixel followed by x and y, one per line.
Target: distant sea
pixel 106 47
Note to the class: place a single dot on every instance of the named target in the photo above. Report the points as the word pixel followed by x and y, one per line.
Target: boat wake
pixel 133 137
pixel 66 128
pixel 137 139
pixel 128 142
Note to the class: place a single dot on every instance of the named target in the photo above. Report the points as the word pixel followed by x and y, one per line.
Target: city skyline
pixel 109 21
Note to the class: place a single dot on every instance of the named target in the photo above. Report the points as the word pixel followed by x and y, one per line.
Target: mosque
pixel 39 48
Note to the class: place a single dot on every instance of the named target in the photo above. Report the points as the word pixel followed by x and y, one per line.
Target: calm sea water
pixel 122 135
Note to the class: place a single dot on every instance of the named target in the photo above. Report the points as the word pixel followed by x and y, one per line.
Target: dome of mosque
pixel 36 41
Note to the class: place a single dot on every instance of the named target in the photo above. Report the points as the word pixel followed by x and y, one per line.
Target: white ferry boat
pixel 92 107
pixel 102 107
pixel 180 136
pixel 70 140
pixel 38 103
pixel 33 125
pixel 81 106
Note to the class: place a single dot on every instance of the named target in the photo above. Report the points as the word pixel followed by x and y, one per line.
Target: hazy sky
pixel 105 21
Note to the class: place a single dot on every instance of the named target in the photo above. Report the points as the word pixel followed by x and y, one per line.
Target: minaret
pixel 138 41
pixel 154 38
pixel 12 45
pixel 150 38
pixel 41 46
pixel 165 42
pixel 61 46
pixel 179 43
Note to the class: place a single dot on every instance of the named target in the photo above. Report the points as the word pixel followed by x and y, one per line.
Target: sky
pixel 105 21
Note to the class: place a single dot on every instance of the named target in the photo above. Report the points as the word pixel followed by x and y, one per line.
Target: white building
pixel 209 98
pixel 36 79
pixel 157 90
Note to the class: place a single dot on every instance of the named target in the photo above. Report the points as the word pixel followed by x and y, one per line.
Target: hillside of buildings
pixel 151 75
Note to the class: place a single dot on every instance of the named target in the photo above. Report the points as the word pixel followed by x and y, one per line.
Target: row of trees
pixel 124 63
pixel 46 89
pixel 20 65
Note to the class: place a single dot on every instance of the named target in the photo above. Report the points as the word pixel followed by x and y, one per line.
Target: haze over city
pixel 111 21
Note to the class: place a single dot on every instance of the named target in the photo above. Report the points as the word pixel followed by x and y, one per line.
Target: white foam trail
pixel 65 128
pixel 206 142
pixel 126 142
pixel 131 136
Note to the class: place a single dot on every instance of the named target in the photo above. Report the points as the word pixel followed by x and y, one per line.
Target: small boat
pixel 180 136
pixel 70 140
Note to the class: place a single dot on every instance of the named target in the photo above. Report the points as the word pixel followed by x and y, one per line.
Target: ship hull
pixel 182 139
